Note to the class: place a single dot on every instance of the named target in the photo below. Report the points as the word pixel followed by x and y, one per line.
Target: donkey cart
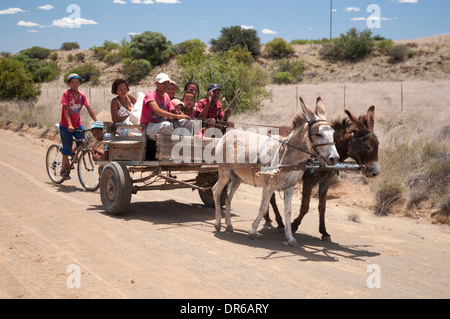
pixel 136 163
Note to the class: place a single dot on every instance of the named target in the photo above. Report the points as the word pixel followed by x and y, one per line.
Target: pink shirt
pixel 75 106
pixel 148 116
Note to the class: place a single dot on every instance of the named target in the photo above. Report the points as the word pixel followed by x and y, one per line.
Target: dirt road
pixel 56 242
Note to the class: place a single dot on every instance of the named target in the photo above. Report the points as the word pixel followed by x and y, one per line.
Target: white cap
pixel 162 77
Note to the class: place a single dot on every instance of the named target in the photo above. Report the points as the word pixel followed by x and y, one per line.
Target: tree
pixel 236 36
pixel 15 81
pixel 151 46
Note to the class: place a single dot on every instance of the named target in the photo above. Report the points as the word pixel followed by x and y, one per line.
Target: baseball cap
pixel 74 76
pixel 213 86
pixel 97 124
pixel 162 77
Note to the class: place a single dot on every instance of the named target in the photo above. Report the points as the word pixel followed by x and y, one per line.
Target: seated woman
pixel 122 105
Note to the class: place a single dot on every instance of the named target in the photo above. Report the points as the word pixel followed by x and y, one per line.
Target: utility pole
pixel 331 19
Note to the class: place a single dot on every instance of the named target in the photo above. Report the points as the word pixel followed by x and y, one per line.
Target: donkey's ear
pixel 371 116
pixel 355 121
pixel 320 108
pixel 307 112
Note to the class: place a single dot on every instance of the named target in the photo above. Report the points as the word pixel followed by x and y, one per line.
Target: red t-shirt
pixel 214 111
pixel 148 116
pixel 75 106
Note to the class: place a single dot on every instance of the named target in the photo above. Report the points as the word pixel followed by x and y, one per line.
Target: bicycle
pixel 88 174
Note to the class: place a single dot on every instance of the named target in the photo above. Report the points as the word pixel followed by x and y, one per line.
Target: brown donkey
pixel 354 138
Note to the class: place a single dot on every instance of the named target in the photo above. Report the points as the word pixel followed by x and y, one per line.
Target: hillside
pixel 430 60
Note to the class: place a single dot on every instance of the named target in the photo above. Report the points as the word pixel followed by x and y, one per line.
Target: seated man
pixel 157 111
pixel 210 108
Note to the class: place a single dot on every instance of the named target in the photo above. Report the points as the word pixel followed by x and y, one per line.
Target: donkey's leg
pixel 304 208
pixel 323 190
pixel 278 218
pixel 288 194
pixel 266 194
pixel 224 178
pixel 232 188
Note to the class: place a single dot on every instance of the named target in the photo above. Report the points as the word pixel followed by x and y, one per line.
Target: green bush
pixel 101 52
pixel 135 70
pixel 80 57
pixel 279 48
pixel 151 46
pixel 37 53
pixel 112 58
pixel 15 81
pixel 230 74
pixel 385 45
pixel 352 46
pixel 39 70
pixel 86 71
pixel 68 46
pixel 398 53
pixel 190 45
pixel 283 78
pixel 236 36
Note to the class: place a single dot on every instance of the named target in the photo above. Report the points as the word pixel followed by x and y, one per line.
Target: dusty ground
pixel 166 246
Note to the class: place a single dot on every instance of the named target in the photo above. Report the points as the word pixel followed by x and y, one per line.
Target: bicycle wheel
pixel 53 162
pixel 88 172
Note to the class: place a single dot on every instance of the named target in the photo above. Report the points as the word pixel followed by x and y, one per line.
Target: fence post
pixel 401 96
pixel 344 99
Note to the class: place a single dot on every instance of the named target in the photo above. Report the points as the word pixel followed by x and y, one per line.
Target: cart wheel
pixel 208 198
pixel 115 188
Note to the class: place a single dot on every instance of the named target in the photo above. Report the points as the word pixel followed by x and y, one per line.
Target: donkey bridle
pixel 359 146
pixel 320 122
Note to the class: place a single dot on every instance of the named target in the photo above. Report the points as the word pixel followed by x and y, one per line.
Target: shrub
pixel 385 45
pixel 398 53
pixel 15 81
pixel 190 45
pixel 279 48
pixel 135 70
pixel 101 52
pixel 37 53
pixel 80 56
pixel 151 46
pixel 112 58
pixel 86 71
pixel 283 78
pixel 68 46
pixel 236 36
pixel 70 57
pixel 40 71
pixel 230 74
pixel 47 73
pixel 351 46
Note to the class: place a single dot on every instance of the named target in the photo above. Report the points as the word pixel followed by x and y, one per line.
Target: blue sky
pixel 49 23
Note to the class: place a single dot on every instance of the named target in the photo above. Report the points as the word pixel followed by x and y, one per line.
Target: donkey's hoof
pixel 217 227
pixel 280 229
pixel 230 229
pixel 293 243
pixel 252 235
pixel 326 238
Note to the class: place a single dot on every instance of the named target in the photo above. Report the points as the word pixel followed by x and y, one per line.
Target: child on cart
pixel 97 132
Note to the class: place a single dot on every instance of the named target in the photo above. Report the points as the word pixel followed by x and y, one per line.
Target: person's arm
pixel 91 113
pixel 67 116
pixel 159 111
pixel 132 98
pixel 114 109
pixel 204 113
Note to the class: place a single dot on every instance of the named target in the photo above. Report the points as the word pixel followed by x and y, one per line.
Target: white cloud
pixel 246 27
pixel 46 7
pixel 407 1
pixel 372 18
pixel 143 1
pixel 268 31
pixel 133 33
pixel 350 9
pixel 168 1
pixel 120 2
pixel 11 11
pixel 72 23
pixel 27 24
pixel 34 31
